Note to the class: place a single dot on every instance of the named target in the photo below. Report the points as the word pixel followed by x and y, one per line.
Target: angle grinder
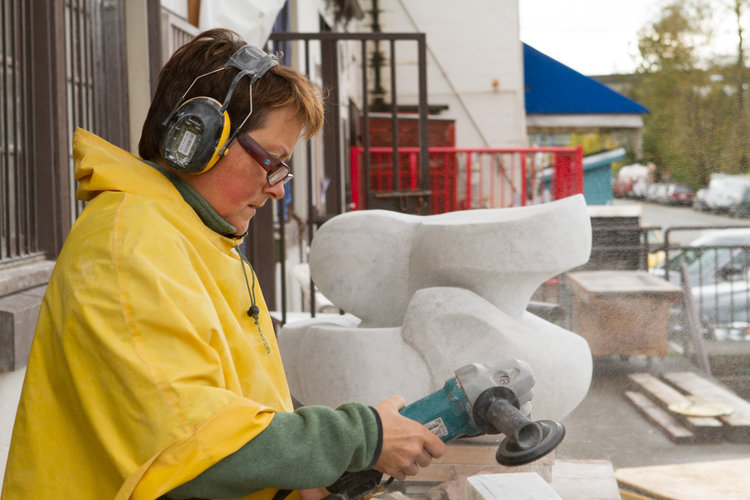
pixel 480 399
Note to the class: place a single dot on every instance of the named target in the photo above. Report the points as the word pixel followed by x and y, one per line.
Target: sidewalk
pixel 606 426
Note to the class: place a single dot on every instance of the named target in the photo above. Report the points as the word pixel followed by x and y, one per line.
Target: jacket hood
pixel 100 166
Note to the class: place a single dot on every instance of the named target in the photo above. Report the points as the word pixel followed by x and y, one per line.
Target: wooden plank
pixel 439 473
pixel 626 494
pixel 676 432
pixel 738 421
pixel 665 395
pixel 463 459
pixel 459 452
pixel 584 480
pixel 725 479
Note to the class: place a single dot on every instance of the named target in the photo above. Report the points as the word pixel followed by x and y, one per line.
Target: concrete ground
pixel 606 426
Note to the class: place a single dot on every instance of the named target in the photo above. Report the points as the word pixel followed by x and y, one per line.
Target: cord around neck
pixel 254 310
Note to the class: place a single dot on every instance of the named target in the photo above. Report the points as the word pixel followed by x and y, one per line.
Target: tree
pixel 740 76
pixel 692 126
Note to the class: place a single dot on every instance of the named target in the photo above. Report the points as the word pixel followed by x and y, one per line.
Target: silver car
pixel 718 273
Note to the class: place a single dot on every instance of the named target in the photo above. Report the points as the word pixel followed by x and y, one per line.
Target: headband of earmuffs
pixel 197 131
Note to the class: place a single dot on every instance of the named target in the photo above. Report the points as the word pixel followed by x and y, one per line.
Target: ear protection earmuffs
pixel 196 131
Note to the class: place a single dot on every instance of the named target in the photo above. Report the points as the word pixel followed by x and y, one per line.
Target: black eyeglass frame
pixel 276 170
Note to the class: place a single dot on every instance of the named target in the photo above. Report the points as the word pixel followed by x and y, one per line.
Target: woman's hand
pixel 313 494
pixel 407 444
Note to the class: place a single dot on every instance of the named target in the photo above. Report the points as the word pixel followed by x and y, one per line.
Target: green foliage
pixel 696 124
pixel 668 44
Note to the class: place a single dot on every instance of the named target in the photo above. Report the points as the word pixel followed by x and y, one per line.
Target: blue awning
pixel 553 88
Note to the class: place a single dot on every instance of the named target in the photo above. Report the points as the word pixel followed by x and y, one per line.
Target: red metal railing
pixel 463 178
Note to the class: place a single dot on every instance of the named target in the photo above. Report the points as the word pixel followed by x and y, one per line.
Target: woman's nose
pixel 276 191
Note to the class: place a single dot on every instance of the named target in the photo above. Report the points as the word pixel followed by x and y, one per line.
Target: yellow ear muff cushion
pixel 220 145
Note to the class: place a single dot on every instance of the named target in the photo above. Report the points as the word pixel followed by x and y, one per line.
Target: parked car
pixel 679 194
pixel 640 186
pixel 631 181
pixel 725 190
pixel 741 207
pixel 699 200
pixel 724 304
pixel 704 256
pixel 662 193
pixel 718 273
pixel 622 188
pixel 656 192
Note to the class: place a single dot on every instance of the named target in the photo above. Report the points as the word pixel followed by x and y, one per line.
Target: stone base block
pixel 18 316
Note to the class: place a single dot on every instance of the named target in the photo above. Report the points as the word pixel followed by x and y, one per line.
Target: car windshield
pixel 712 265
pixel 706 255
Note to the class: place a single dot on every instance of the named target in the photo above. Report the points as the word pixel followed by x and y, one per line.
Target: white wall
pixel 179 7
pixel 305 17
pixel 139 76
pixel 471 46
pixel 10 393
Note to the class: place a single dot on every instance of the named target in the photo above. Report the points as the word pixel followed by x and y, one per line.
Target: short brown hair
pixel 281 86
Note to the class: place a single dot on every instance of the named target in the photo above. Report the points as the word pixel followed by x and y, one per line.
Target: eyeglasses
pixel 277 170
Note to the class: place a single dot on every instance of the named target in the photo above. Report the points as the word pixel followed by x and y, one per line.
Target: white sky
pixel 596 37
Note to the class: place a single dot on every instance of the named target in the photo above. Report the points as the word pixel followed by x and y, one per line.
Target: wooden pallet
pixel 652 397
pixel 660 418
pixel 737 423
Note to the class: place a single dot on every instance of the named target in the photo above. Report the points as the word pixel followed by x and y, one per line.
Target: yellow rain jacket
pixel 145 368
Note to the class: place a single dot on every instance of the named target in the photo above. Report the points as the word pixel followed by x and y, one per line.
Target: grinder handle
pixel 507 419
pixel 496 410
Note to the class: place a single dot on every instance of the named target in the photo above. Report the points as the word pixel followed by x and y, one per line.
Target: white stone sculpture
pixel 426 295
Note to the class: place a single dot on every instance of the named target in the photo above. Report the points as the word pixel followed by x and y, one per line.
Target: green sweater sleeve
pixel 309 448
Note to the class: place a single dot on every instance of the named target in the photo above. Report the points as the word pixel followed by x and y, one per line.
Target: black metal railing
pixel 717 273
pixel 324 169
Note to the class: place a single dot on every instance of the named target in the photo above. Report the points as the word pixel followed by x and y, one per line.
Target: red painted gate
pixel 465 178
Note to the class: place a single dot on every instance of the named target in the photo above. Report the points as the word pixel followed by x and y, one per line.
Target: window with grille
pixel 62 66
pixel 16 214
